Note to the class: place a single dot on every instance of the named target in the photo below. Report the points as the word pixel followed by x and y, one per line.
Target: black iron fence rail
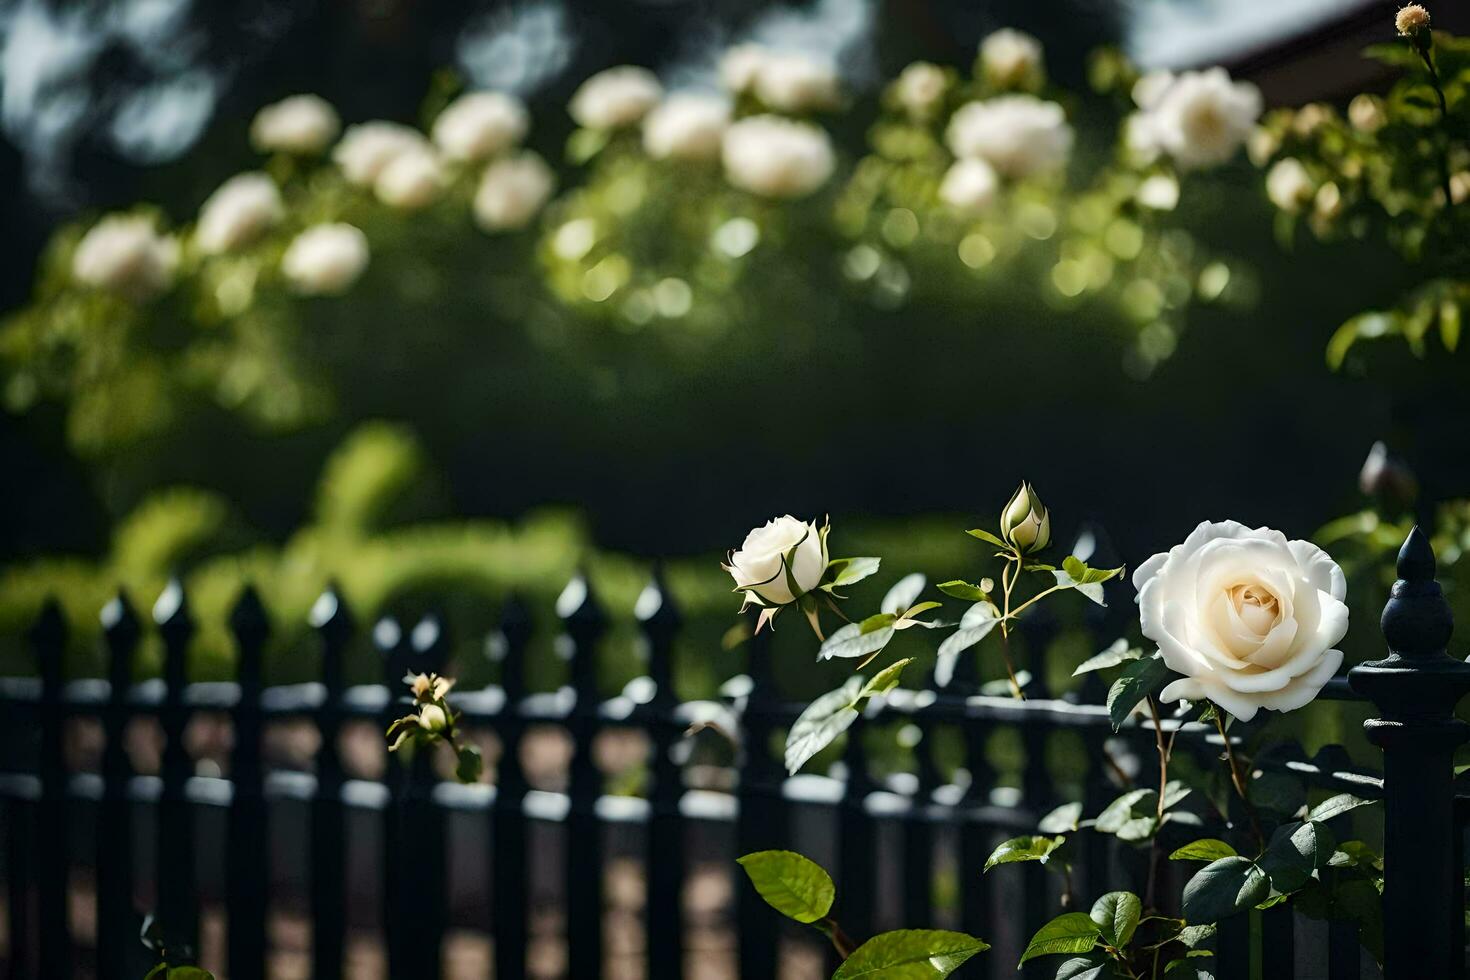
pixel 938 818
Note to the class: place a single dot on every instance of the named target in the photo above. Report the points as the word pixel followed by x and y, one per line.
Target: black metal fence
pixel 908 847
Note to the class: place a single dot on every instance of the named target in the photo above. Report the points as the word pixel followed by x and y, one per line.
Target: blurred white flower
pixel 686 126
pixel 512 192
pixel 368 147
pixel 920 87
pixel 615 97
pixel 125 254
pixel 1288 185
pixel 237 212
pixel 969 186
pixel 1018 135
pixel 478 125
pixel 740 65
pixel 410 180
pixel 1158 193
pixel 301 124
pixel 797 82
pixel 1010 58
pixel 776 157
pixel 1367 113
pixel 1200 118
pixel 326 259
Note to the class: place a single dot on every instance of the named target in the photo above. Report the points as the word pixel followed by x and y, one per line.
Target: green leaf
pixel 1086 968
pixel 910 954
pixel 903 593
pixel 793 885
pixel 823 720
pixel 1026 848
pixel 876 622
pixel 846 571
pixel 1277 792
pixel 851 641
pixel 1120 652
pixel 188 973
pixel 1073 932
pixel 1192 936
pixel 159 972
pixel 988 538
pixel 975 626
pixel 1132 816
pixel 1295 851
pixel 1336 806
pixel 1139 679
pixel 1356 854
pixel 961 589
pixel 1208 849
pixel 885 680
pixel 1222 888
pixel 1075 574
pixel 1185 970
pixel 1064 819
pixel 1117 915
pixel 469 765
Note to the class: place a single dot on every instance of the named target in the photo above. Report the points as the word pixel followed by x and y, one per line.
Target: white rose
pixel 969 186
pixel 1288 185
pixel 301 124
pixel 796 82
pixel 411 180
pixel 740 65
pixel 761 565
pixel 1248 617
pixel 369 147
pixel 615 97
pixel 1010 58
pixel 776 157
pixel 325 260
pixel 1158 193
pixel 1019 135
pixel 479 125
pixel 126 255
pixel 513 191
pixel 237 212
pixel 1200 118
pixel 686 126
pixel 920 87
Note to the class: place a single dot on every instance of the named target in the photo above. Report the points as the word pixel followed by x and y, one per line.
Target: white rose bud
pixel 1289 186
pixel 478 125
pixel 238 212
pixel 126 255
pixel 615 97
pixel 686 126
pixel 1411 20
pixel 795 82
pixel 410 181
pixel 432 718
pixel 920 88
pixel 367 148
pixel 1010 58
pixel 513 191
pixel 1019 135
pixel 325 260
pixel 301 124
pixel 740 66
pixel 776 157
pixel 1249 618
pixel 767 565
pixel 969 186
pixel 1025 522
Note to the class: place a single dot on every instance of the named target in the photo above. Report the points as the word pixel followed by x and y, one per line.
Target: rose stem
pixel 1163 747
pixel 1005 626
pixel 1238 779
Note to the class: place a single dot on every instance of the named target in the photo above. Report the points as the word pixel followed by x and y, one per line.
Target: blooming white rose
pixel 478 125
pixel 513 191
pixel 740 65
pixel 326 259
pixel 367 148
pixel 615 97
pixel 300 124
pixel 1200 118
pixel 1010 58
pixel 776 157
pixel 125 254
pixel 237 212
pixel 795 82
pixel 686 126
pixel 920 87
pixel 1249 618
pixel 767 566
pixel 411 180
pixel 1159 192
pixel 1019 135
pixel 969 186
pixel 1288 185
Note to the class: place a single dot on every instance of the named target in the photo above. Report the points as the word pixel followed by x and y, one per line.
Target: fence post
pixel 508 816
pixel 761 820
pixel 48 638
pixel 178 910
pixel 333 623
pixel 1416 688
pixel 247 863
pixel 117 936
pixel 390 642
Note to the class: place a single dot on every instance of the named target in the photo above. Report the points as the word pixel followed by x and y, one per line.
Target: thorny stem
pixel 1238 779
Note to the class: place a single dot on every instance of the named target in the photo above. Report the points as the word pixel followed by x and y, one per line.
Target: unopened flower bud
pixel 1411 20
pixel 1025 522
pixel 432 718
pixel 1387 478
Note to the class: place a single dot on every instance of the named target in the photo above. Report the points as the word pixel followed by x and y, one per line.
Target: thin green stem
pixel 1426 55
pixel 1007 581
pixel 1163 748
pixel 1237 778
